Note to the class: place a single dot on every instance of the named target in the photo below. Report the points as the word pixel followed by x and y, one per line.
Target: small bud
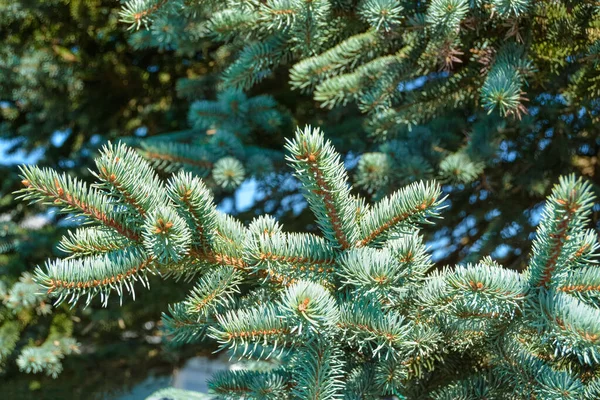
pixel 304 305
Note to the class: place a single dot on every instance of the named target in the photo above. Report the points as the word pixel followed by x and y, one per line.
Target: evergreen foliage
pixel 65 66
pixel 356 313
pixel 68 81
pixel 22 307
pixel 361 51
pixel 220 141
pixel 495 99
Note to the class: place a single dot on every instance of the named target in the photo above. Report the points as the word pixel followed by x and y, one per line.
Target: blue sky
pixel 18 157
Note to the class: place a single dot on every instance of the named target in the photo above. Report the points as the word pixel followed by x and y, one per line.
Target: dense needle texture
pixel 354 313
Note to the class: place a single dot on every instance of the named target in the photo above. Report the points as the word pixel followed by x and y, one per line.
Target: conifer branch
pixel 323 175
pixel 311 71
pixel 73 196
pixel 411 253
pixel 71 279
pixel 244 330
pixel 373 272
pixel 286 257
pixel 320 372
pixel 197 205
pixel 309 308
pixel 185 327
pixel 412 204
pixel 365 326
pixel 222 259
pixel 90 241
pixel 214 290
pixel 173 156
pixel 355 311
pixel 252 384
pixel 583 283
pixel 138 12
pixel 566 210
pixel 125 174
pixel 575 326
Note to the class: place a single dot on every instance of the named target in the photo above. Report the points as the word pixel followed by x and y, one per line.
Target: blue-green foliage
pixel 495 99
pixel 219 143
pixel 356 313
pixel 362 51
pixel 402 64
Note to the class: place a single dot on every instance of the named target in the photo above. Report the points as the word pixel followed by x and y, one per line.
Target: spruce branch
pixel 246 330
pixel 324 178
pixel 320 372
pixel 228 243
pixel 485 387
pixel 196 204
pixel 47 357
pixel 272 385
pixel 228 173
pixel 390 375
pixel 91 240
pixel 412 204
pixel 575 326
pixel 410 251
pixel 459 168
pixel 167 237
pixel 10 332
pixel 355 312
pixel 279 15
pixel 184 327
pixel 366 327
pixel 381 14
pixel 255 62
pixel 71 279
pixel 140 12
pixel 290 256
pixel 129 177
pixel 511 8
pixel 566 211
pixel 311 71
pixel 446 15
pixel 229 24
pixel 172 157
pixel 582 283
pixel 309 308
pixel 373 272
pixel 215 290
pixel 73 195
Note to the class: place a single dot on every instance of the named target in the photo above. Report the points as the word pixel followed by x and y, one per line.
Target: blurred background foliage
pixel 69 81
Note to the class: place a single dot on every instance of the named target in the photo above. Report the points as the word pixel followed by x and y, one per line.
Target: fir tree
pixel 353 313
pixel 361 51
pixel 494 99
